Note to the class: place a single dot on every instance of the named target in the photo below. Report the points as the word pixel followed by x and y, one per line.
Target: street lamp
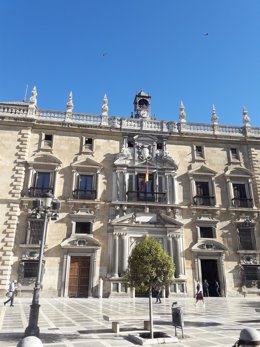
pixel 48 208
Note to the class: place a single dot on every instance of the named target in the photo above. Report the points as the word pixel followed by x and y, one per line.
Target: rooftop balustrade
pixel 13 111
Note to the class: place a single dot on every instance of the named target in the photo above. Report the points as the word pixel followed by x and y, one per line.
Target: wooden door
pixel 79 277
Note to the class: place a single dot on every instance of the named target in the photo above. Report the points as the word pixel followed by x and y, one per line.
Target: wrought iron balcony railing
pixel 202 200
pixel 146 196
pixel 242 202
pixel 37 192
pixel 84 194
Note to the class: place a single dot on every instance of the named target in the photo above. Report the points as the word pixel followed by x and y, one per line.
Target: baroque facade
pixel 192 187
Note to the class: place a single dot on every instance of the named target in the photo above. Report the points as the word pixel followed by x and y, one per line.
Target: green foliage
pixel 149 266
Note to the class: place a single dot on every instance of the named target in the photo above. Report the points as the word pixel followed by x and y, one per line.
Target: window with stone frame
pixel 241 195
pixel 47 140
pixel 85 187
pixel 30 268
pixel 234 154
pixel 251 275
pixel 199 152
pixel 35 231
pixel 42 182
pixel 83 228
pixel 246 238
pixel 142 187
pixel 207 232
pixel 203 194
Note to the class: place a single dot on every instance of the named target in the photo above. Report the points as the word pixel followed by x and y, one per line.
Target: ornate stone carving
pixel 249 259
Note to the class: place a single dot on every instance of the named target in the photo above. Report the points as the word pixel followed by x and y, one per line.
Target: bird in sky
pixel 206 34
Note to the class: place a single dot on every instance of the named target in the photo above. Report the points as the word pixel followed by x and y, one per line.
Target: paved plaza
pixel 79 322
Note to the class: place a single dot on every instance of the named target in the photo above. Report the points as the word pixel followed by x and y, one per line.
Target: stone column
pixel 125 252
pixel 64 275
pixel 178 269
pixel 115 269
pixel 230 191
pixel 193 188
pixel 167 189
pixel 251 192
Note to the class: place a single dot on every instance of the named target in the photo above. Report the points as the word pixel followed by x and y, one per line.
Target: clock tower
pixel 142 103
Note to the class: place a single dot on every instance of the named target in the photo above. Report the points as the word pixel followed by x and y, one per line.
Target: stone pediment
pixel 170 220
pixel 81 241
pixel 238 171
pixel 147 218
pixel 202 170
pixel 209 245
pixel 86 162
pixel 45 159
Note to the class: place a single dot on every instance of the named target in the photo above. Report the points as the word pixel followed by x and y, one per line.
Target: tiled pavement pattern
pixel 79 322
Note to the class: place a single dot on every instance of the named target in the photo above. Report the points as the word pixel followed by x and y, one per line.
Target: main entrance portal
pixel 209 271
pixel 79 277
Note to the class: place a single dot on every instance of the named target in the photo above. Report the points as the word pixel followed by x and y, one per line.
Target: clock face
pixel 144 113
pixel 143 103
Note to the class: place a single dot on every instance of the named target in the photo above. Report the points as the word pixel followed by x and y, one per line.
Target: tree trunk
pixel 151 313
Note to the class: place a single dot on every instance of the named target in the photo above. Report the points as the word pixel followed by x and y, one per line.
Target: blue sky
pixel 118 47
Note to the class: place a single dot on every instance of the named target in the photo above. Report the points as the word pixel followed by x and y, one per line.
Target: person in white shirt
pixel 11 293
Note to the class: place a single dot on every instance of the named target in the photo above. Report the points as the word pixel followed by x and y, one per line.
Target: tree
pixel 149 268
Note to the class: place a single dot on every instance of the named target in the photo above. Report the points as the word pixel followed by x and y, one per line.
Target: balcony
pixel 84 194
pixel 36 192
pixel 242 202
pixel 146 196
pixel 203 200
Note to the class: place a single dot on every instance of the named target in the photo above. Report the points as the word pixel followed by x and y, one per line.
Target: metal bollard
pixel 248 337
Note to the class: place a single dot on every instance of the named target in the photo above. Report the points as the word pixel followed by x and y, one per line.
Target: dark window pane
pixel 202 188
pixel 252 273
pixel 246 241
pixel 30 269
pixel 85 182
pixel 83 228
pixel 42 180
pixel 36 230
pixel 239 190
pixel 233 152
pixel 199 151
pixel 206 232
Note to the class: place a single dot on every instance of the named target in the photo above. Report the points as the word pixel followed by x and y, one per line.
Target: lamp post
pixel 47 207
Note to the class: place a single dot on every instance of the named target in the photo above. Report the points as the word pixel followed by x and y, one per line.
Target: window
pixel 130 143
pixel 246 238
pixel 252 274
pixel 241 196
pixel 42 184
pixel 85 187
pixel 199 152
pixel 159 146
pixel 203 194
pixel 83 228
pixel 47 140
pixel 88 143
pixel 35 231
pixel 30 269
pixel 207 232
pixel 234 154
pixel 141 190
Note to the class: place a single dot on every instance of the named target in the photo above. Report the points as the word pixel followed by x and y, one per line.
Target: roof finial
pixel 70 105
pixel 33 102
pixel 214 117
pixel 105 106
pixel 246 119
pixel 182 115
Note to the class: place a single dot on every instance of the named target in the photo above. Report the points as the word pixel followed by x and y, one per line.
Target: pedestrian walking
pixel 158 296
pixel 217 288
pixel 11 293
pixel 199 297
pixel 206 288
pixel 198 287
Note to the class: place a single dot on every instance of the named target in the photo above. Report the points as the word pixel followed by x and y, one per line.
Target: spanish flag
pixel 146 174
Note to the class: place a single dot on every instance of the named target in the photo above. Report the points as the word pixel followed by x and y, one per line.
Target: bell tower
pixel 142 104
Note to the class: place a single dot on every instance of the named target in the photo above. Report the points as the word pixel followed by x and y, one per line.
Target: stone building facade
pixel 192 187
